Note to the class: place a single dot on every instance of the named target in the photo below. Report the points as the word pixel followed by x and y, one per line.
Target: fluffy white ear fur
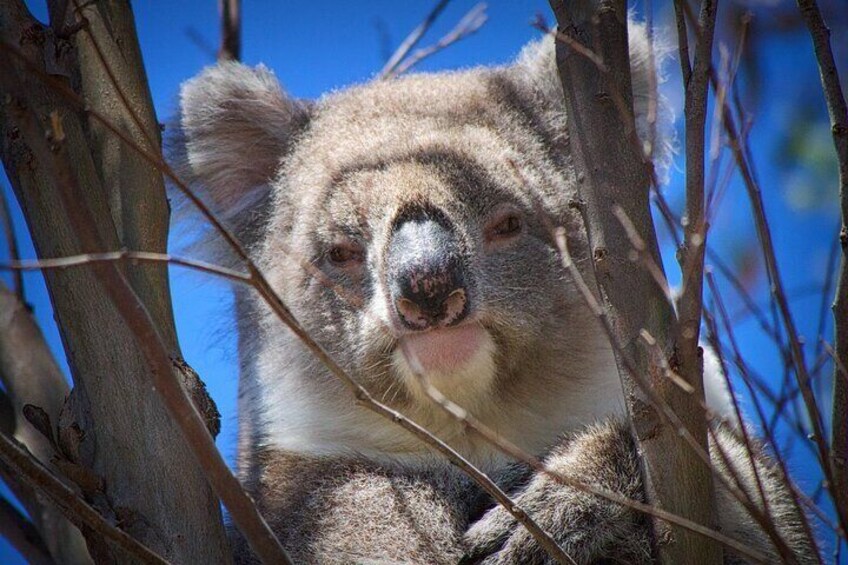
pixel 715 387
pixel 236 125
pixel 537 62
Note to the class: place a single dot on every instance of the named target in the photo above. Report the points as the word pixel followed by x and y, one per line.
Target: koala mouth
pixel 442 350
pixel 458 361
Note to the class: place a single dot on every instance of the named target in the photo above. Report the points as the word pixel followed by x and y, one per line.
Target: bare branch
pixel 30 375
pixel 127 197
pixel 150 342
pixel 12 243
pixel 468 25
pixel 22 535
pixel 124 256
pixel 838 111
pixel 781 303
pixel 617 174
pixel 411 40
pixel 230 49
pixel 758 407
pixel 694 223
pixel 25 468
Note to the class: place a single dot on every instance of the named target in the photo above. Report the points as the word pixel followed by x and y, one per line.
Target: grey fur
pixel 337 483
pixel 592 529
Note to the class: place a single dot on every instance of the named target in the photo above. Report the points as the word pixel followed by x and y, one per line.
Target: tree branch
pixel 130 210
pixel 781 303
pixel 12 243
pixel 22 466
pixel 152 345
pixel 695 226
pixel 230 49
pixel 31 376
pixel 22 535
pixel 676 480
pixel 412 40
pixel 468 25
pixel 838 112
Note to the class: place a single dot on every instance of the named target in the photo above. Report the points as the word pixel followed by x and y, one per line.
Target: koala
pixel 407 225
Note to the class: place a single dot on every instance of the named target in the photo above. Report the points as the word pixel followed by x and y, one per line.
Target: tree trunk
pixel 152 483
pixel 603 142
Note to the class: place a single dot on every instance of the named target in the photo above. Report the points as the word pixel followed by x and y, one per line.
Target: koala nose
pixel 426 274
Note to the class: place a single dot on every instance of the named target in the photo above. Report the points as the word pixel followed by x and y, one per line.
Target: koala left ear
pixel 236 125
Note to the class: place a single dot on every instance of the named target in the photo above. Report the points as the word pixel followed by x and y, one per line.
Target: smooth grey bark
pixel 152 482
pixel 605 148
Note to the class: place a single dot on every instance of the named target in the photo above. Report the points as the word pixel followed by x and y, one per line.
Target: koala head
pixel 408 225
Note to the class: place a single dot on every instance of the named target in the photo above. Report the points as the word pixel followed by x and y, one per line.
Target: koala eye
pixel 504 226
pixel 345 253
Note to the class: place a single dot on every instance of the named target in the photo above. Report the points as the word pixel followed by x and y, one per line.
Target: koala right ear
pixel 236 125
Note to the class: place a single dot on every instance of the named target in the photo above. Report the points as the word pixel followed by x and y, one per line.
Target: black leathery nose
pixel 426 272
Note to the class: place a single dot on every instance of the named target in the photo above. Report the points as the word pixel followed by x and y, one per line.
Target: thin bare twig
pixel 780 303
pixel 827 286
pixel 838 111
pixel 468 25
pixel 840 369
pixel 124 256
pixel 411 40
pixel 542 25
pixel 695 227
pixel 713 338
pixel 760 412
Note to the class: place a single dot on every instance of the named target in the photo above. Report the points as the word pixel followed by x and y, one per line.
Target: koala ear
pixel 536 68
pixel 236 125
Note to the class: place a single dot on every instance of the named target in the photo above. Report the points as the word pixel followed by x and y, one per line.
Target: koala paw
pixel 587 527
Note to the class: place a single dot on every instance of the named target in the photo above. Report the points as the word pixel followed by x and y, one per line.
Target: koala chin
pixel 407 226
pixel 458 362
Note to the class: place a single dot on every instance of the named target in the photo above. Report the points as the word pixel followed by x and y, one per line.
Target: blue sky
pixel 321 45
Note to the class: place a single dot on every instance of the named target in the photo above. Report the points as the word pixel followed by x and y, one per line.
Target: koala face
pixel 427 211
pixel 408 226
